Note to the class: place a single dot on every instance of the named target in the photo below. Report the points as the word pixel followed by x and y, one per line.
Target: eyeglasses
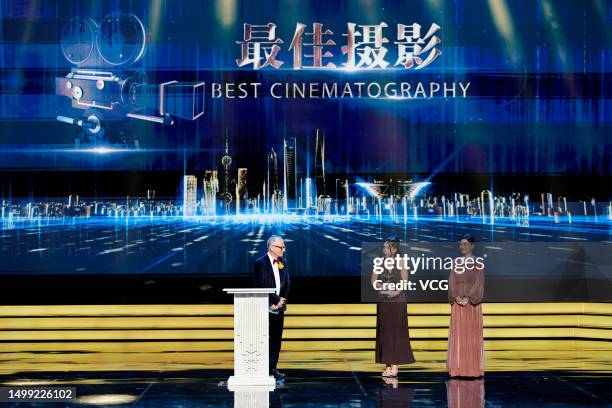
pixel 280 247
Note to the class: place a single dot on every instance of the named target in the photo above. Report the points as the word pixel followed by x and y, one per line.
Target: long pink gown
pixel 465 393
pixel 465 335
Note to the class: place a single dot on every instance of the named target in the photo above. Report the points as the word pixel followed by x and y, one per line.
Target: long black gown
pixel 392 338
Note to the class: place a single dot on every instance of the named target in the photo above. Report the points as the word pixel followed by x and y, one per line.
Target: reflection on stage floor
pixel 208 388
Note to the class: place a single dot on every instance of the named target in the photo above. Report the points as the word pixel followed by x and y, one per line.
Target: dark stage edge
pixel 121 289
pixel 339 389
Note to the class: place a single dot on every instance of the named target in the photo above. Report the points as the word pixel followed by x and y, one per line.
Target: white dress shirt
pixel 276 274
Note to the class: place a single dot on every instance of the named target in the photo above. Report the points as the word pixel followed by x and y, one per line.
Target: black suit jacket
pixel 263 277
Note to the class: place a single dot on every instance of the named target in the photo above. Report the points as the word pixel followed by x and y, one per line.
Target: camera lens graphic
pixel 121 39
pixel 77 41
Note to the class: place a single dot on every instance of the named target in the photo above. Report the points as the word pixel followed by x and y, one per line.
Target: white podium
pixel 251 371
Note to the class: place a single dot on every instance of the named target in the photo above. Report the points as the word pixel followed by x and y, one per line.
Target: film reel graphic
pixel 118 41
pixel 77 41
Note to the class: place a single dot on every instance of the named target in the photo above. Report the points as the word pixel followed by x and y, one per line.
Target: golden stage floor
pixel 518 337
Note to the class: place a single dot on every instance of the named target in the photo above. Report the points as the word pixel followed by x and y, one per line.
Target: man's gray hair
pixel 273 238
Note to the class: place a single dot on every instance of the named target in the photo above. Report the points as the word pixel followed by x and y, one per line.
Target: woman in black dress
pixel 392 339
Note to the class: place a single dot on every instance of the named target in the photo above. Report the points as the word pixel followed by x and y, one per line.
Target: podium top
pixel 255 291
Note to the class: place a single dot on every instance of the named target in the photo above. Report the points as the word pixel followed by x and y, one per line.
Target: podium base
pixel 251 383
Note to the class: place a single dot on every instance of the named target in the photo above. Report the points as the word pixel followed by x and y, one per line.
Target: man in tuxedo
pixel 270 271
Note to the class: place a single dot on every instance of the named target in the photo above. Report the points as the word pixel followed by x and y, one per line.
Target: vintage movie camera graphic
pixel 105 84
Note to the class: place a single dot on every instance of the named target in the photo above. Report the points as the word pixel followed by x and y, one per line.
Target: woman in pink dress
pixel 465 336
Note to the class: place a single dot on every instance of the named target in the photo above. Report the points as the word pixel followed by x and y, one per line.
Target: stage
pixel 205 388
pixel 537 354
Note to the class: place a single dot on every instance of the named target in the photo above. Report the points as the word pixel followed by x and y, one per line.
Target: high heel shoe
pixel 389 374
